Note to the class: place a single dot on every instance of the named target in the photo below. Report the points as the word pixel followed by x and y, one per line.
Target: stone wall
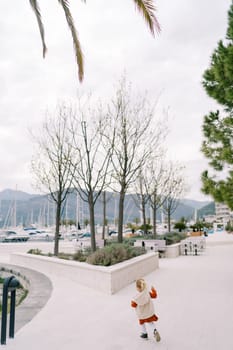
pixel 105 279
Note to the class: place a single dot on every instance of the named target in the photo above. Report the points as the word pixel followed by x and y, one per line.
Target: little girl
pixel 145 309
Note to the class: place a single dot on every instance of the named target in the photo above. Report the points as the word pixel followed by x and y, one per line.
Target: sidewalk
pixel 194 305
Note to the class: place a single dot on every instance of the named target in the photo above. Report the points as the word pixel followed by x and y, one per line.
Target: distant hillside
pixel 11 195
pixel 208 209
pixel 195 204
pixel 38 209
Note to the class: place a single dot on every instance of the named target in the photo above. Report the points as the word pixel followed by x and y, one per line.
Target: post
pixel 12 315
pixel 195 249
pixel 10 285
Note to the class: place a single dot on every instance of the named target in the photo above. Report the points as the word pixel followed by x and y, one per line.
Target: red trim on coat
pixel 149 319
pixel 153 293
pixel 133 304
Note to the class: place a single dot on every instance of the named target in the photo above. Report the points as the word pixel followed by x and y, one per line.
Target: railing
pixel 10 284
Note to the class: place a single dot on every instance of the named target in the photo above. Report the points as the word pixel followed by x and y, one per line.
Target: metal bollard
pixel 10 285
pixel 195 249
pixel 190 247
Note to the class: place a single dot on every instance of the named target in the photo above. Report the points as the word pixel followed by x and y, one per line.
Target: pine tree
pixel 218 126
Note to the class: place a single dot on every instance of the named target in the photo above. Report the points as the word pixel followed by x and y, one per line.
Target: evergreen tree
pixel 218 126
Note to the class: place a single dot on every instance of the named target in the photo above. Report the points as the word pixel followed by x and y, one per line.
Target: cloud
pixel 114 39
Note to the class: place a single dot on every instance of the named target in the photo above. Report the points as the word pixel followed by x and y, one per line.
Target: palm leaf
pixel 76 43
pixel 36 9
pixel 147 9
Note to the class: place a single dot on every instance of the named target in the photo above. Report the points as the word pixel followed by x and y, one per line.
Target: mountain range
pixel 17 207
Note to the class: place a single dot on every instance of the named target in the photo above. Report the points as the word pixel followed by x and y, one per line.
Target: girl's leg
pixel 143 328
pixel 144 331
pixel 152 325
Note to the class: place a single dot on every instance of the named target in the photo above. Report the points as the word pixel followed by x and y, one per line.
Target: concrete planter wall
pixel 172 251
pixel 105 279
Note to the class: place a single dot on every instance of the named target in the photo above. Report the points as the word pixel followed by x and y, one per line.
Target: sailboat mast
pixel 14 211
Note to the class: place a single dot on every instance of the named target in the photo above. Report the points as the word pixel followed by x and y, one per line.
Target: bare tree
pixel 174 189
pixel 158 177
pixel 106 197
pixel 51 163
pixel 142 197
pixel 91 175
pixel 104 214
pixel 151 178
pixel 134 138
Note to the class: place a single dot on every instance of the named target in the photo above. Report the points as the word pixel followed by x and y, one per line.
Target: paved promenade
pixel 194 305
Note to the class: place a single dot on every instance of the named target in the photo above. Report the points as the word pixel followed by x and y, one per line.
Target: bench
pixel 157 245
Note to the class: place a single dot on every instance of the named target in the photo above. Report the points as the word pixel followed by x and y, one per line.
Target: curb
pixel 39 292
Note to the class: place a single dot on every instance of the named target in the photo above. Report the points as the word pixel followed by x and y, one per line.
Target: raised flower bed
pixel 107 279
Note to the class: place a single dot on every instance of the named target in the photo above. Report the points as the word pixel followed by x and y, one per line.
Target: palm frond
pixel 36 9
pixel 147 9
pixel 76 43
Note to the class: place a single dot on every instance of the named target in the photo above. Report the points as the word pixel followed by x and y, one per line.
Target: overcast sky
pixel 115 40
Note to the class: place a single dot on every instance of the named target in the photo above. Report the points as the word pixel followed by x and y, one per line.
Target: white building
pixel 210 219
pixel 223 213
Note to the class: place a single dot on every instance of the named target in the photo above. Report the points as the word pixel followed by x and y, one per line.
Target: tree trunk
pixel 92 221
pixel 121 216
pixel 57 229
pixel 144 216
pixel 169 220
pixel 104 214
pixel 154 214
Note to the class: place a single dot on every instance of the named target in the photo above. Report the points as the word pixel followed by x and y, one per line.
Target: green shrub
pixel 114 254
pixel 82 254
pixel 229 227
pixel 35 251
pixel 130 240
pixel 173 237
pixel 180 226
pixel 65 256
pixel 111 254
pixel 100 257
